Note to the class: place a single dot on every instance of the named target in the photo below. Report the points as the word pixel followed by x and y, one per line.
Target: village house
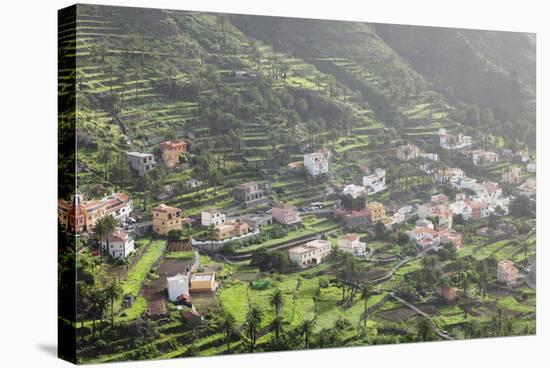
pixel 310 253
pixel 531 168
pixel 452 141
pixel 447 174
pixel 424 223
pixel 523 155
pixel 528 188
pixel 257 220
pixel 171 151
pixel 286 214
pixel 355 191
pixel 317 163
pixel 212 217
pixel 351 244
pixel 430 156
pixel 377 211
pixel 78 215
pixel 448 293
pixel 506 152
pixel 230 229
pixel 490 193
pixel 475 210
pixel 120 244
pixel 484 158
pixel 203 282
pixel 512 175
pixel 251 193
pixel 296 167
pixel 166 219
pixel 354 218
pixel 141 162
pixel 507 273
pixel 424 237
pixel 407 152
pixel 438 208
pixel 178 285
pixel 376 182
pixel 448 236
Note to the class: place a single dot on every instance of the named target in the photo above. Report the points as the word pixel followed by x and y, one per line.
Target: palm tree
pixel 251 326
pixel 277 326
pixel 277 300
pixel 103 228
pixel 365 294
pixel 114 290
pixel 227 325
pixel 306 328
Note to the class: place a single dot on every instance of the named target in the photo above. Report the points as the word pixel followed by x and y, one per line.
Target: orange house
pixel 171 151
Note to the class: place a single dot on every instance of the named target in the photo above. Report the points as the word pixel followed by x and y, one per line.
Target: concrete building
pixel 203 282
pixel 286 214
pixel 121 244
pixel 351 244
pixel 230 229
pixel 376 182
pixel 177 285
pixel 484 158
pixel 310 253
pixel 355 191
pixel 452 141
pixel 448 293
pixel 531 168
pixel 257 220
pixel 407 152
pixel 141 162
pixel 424 237
pixel 377 211
pixel 354 218
pixel 448 236
pixel 251 193
pixel 512 175
pixel 507 273
pixel 317 163
pixel 171 151
pixel 79 215
pixel 212 217
pixel 166 218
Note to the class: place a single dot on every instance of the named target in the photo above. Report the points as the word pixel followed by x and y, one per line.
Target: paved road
pixel 419 311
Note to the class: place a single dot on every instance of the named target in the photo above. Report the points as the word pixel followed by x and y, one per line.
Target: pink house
pixel 286 214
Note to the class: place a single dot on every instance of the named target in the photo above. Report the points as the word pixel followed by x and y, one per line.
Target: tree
pixel 306 329
pixel 251 326
pixel 212 235
pixel 424 329
pixel 103 228
pixel 365 294
pixel 227 326
pixel 114 291
pixel 277 300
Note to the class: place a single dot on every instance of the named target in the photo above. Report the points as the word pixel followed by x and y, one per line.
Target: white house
pixel 376 182
pixel 355 191
pixel 316 163
pixel 484 158
pixel 531 168
pixel 177 285
pixel 121 245
pixel 350 244
pixel 141 162
pixel 310 253
pixel 431 156
pixel 451 141
pixel 212 217
pixel 424 237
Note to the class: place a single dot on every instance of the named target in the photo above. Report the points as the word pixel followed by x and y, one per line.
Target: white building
pixel 355 191
pixel 121 244
pixel 531 168
pixel 484 158
pixel 141 162
pixel 376 182
pixel 317 163
pixel 310 253
pixel 177 285
pixel 431 156
pixel 212 217
pixel 350 244
pixel 451 141
pixel 424 237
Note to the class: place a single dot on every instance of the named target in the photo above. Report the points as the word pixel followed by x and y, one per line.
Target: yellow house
pixel 230 229
pixel 166 218
pixel 377 211
pixel 203 281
